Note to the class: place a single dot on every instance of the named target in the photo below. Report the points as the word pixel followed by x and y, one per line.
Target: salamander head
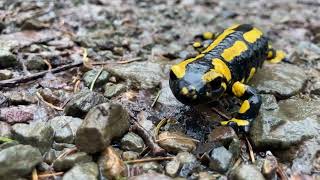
pixel 196 86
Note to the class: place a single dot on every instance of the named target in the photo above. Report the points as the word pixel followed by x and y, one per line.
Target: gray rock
pixel 167 98
pixel 50 156
pixel 4 101
pixel 81 103
pixel 283 80
pixel 8 144
pixel 62 146
pixel 289 124
pixel 145 78
pixel 150 175
pixel 221 159
pixel 89 76
pixel 112 90
pixel 5 74
pixel 36 63
pixel 18 161
pixel 67 162
pixel 102 124
pixel 173 167
pixel 189 163
pixel 132 142
pixel 86 171
pixel 38 134
pixel 129 155
pixel 246 172
pixel 7 59
pixel 33 24
pixel 21 97
pixel 65 128
pixel 5 130
pixel 18 114
pixel 149 167
pixel 176 142
pixel 222 134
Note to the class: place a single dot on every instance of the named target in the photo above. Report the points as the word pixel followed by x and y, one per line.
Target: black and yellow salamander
pixel 225 66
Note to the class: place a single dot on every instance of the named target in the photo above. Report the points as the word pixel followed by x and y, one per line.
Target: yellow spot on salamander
pixel 252 71
pixel 180 69
pixel 210 76
pixel 221 37
pixel 235 50
pixel 196 44
pixel 208 35
pixel 238 89
pixel 239 122
pixel 184 91
pixel 224 85
pixel 244 107
pixel 222 68
pixel 270 54
pixel 280 55
pixel 252 35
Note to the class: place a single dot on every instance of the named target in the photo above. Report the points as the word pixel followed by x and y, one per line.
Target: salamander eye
pixel 172 76
pixel 216 83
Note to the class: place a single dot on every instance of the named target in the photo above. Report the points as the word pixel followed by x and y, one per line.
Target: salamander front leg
pixel 275 56
pixel 249 108
pixel 203 40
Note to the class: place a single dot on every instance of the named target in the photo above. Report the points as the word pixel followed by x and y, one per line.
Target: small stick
pixel 221 114
pixel 50 174
pixel 34 174
pixel 118 62
pixel 191 139
pixel 149 160
pixel 27 78
pixel 160 124
pixel 95 79
pixel 156 98
pixel 47 103
pixel 250 151
pixel 48 64
pixel 76 86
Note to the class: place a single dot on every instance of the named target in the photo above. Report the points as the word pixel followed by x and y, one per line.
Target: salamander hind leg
pixel 249 108
pixel 275 56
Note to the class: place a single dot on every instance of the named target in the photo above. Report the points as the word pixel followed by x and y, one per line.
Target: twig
pixel 158 140
pixel 149 160
pixel 48 64
pixel 76 86
pixel 85 59
pixel 154 147
pixel 47 103
pixel 34 174
pixel 50 174
pixel 64 154
pixel 159 125
pixel 27 78
pixel 156 98
pixel 95 79
pixel 250 151
pixel 117 62
pixel 221 114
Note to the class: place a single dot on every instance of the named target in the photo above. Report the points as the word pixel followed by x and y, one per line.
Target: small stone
pixel 223 134
pixel 112 90
pixel 67 162
pixel 7 59
pixel 81 103
pixel 176 142
pixel 5 130
pixel 36 63
pixel 50 156
pixel 173 168
pixel 110 164
pixel 21 97
pixel 5 74
pixel 189 163
pixel 85 171
pixel 130 155
pixel 38 134
pixel 221 159
pixel 132 142
pixel 18 160
pixel 102 124
pixel 4 101
pixel 16 114
pixel 65 128
pixel 150 175
pixel 62 146
pixel 150 167
pixel 33 24
pixel 246 172
pixel 269 166
pixel 89 76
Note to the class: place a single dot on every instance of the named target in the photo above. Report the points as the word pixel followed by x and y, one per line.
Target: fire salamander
pixel 225 66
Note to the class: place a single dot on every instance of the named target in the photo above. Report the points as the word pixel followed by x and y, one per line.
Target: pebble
pixel 7 59
pixel 173 167
pixel 18 160
pixel 5 74
pixel 176 142
pixel 5 130
pixel 85 171
pixel 67 162
pixel 189 163
pixel 223 134
pixel 102 124
pixel 150 175
pixel 82 102
pixel 38 134
pixel 246 172
pixel 36 63
pixel 21 97
pixel 130 155
pixel 89 77
pixel 132 142
pixel 112 90
pixel 110 164
pixel 65 128
pixel 17 114
pixel 221 159
pixel 4 101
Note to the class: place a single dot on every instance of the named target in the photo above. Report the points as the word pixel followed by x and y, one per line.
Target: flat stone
pixel 223 134
pixel 85 171
pixel 282 80
pixel 246 172
pixel 102 124
pixel 173 167
pixel 5 74
pixel 89 76
pixel 65 128
pixel 221 159
pixel 18 114
pixel 82 102
pixel 18 160
pixel 36 63
pixel 20 97
pixel 7 59
pixel 176 142
pixel 112 90
pixel 38 134
pixel 67 162
pixel 132 142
